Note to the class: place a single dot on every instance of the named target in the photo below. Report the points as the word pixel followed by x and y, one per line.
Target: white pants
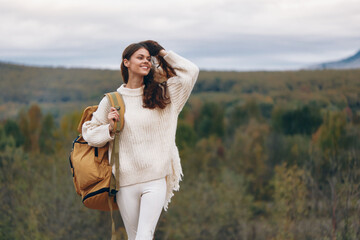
pixel 140 207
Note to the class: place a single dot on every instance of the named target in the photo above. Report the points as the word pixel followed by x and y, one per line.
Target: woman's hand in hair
pixel 156 50
pixel 153 47
pixel 162 53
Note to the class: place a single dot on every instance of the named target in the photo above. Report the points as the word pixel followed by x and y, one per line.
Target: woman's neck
pixel 135 82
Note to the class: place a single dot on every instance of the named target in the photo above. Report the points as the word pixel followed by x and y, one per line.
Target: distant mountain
pixel 352 62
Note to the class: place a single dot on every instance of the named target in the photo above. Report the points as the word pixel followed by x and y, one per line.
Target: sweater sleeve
pixel 180 86
pixel 96 131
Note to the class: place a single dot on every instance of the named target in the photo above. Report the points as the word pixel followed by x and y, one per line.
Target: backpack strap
pixel 117 102
pixel 113 229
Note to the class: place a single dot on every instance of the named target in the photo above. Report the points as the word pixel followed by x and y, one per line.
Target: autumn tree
pixel 248 155
pixel 328 167
pixel 290 199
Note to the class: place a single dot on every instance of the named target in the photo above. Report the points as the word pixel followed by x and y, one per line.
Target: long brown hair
pixel 155 93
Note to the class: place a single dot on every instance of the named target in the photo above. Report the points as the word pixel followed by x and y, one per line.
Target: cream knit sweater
pixel 147 142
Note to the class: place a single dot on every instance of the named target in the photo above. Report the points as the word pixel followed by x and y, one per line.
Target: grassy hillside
pixel 56 90
pixel 62 90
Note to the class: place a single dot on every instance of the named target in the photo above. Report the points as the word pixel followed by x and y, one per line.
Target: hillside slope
pixel 62 90
pixel 352 62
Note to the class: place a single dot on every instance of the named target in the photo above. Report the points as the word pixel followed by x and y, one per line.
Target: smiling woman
pixel 157 86
pixel 137 65
pixel 140 63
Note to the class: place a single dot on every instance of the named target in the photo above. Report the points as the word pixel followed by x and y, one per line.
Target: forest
pixel 265 155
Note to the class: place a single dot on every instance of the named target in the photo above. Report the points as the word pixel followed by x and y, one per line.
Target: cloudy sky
pixel 214 34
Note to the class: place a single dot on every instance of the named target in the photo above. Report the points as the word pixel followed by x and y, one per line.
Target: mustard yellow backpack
pixel 90 166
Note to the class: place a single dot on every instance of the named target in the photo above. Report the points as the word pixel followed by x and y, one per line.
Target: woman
pixel 157 86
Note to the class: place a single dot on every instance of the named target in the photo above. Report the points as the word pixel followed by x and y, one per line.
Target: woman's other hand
pixel 156 50
pixel 153 47
pixel 162 53
pixel 112 117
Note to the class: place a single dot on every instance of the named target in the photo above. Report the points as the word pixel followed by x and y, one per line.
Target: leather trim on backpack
pixel 95 193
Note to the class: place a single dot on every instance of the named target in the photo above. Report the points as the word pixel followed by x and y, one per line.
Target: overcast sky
pixel 214 34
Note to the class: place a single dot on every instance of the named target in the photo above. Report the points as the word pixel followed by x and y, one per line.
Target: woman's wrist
pixel 111 128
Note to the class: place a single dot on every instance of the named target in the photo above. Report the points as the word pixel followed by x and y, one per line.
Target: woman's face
pixel 139 63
